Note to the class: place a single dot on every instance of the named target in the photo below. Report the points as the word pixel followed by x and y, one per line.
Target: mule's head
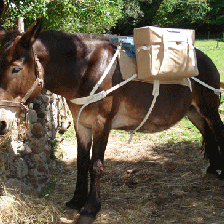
pixel 19 69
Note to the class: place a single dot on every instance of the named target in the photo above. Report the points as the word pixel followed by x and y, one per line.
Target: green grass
pixel 69 134
pixel 216 53
pixel 184 132
pixel 221 107
pixel 51 186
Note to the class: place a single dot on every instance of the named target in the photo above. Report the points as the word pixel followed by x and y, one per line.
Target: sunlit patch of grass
pixel 69 134
pixel 120 134
pixel 215 51
pixel 221 107
pixel 184 132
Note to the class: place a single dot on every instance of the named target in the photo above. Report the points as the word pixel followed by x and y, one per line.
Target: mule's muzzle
pixel 7 119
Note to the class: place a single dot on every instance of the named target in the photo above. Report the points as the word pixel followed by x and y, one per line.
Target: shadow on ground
pixel 149 183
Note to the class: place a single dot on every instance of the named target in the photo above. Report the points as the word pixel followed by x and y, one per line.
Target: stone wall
pixel 25 158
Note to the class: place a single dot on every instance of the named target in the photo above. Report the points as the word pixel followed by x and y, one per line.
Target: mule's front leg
pixel 100 139
pixel 84 140
pixel 93 205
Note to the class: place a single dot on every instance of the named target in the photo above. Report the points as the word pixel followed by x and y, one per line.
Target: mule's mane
pixel 8 39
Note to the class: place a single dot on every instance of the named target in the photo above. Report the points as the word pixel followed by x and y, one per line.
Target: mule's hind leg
pixel 207 103
pixel 84 141
pixel 210 145
pixel 217 127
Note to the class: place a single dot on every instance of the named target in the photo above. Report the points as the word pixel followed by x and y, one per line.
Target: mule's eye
pixel 16 70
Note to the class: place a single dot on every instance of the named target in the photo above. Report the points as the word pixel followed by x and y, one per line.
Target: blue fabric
pixel 127 45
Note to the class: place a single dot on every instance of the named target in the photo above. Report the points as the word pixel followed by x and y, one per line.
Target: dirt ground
pixel 145 182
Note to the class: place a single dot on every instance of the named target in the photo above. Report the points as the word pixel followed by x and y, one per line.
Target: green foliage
pixel 98 16
pixel 74 16
pixel 136 13
pixel 216 15
pixel 149 9
pixel 118 16
pixel 181 13
pixel 201 15
pixel 131 16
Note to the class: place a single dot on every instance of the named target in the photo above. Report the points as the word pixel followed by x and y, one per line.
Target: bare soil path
pixel 147 181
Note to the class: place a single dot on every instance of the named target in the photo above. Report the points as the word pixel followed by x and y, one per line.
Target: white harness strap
pixel 216 91
pixel 106 71
pixel 85 101
pixel 95 97
pixel 155 93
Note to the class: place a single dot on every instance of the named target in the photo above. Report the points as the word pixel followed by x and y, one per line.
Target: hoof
pixel 73 205
pixel 211 170
pixel 71 213
pixel 221 176
pixel 90 210
pixel 85 220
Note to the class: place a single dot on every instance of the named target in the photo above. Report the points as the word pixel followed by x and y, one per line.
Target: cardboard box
pixel 127 64
pixel 165 53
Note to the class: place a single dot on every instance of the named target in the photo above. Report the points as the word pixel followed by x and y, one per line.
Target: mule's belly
pixel 171 106
pixel 123 122
pixel 155 123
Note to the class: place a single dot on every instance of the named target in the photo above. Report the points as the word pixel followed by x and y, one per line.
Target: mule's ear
pixel 2 32
pixel 1 7
pixel 29 37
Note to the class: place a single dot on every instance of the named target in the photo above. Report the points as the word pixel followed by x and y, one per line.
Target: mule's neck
pixel 72 63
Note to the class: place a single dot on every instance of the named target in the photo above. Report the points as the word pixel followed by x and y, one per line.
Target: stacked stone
pixel 25 159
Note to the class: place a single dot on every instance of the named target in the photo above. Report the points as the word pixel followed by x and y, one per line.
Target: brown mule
pixel 72 64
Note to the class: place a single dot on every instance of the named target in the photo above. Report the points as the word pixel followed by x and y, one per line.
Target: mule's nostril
pixel 3 126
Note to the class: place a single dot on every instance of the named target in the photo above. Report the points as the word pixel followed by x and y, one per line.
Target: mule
pixel 71 65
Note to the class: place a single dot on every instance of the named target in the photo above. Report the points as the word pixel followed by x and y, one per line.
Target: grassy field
pixel 215 50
